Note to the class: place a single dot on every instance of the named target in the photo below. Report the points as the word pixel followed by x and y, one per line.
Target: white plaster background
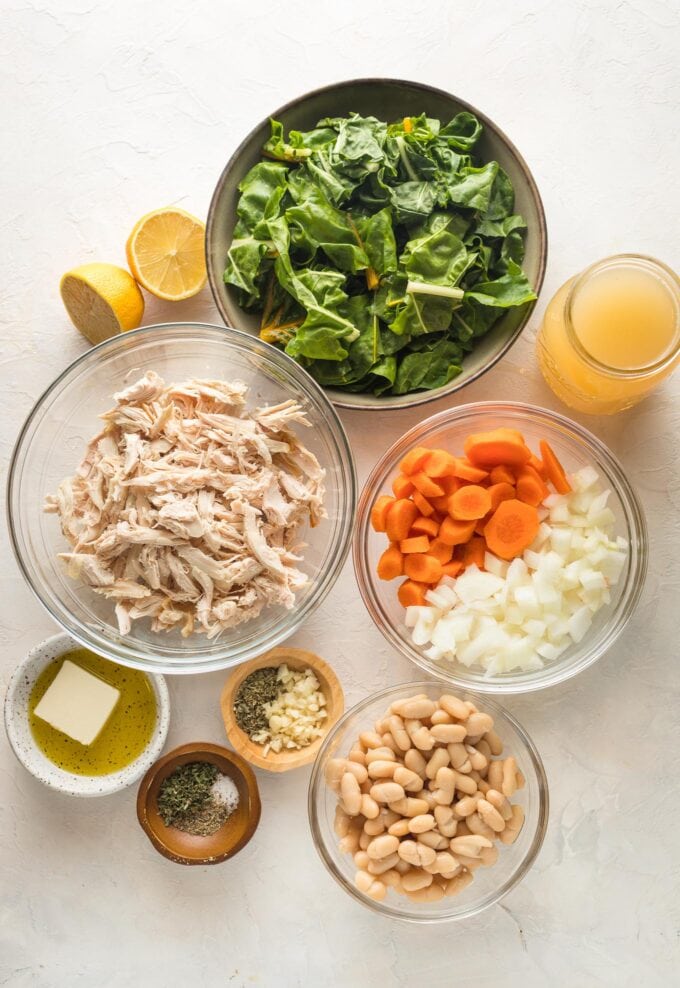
pixel 110 109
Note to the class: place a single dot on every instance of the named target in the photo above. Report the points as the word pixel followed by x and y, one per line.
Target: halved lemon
pixel 102 300
pixel 166 255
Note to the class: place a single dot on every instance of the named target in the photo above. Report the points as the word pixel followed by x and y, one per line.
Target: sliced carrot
pixel 400 516
pixel 480 524
pixel 426 485
pixel 422 504
pixel 452 569
pixel 391 564
pixel 419 543
pixel 530 487
pixel 537 465
pixel 425 526
pixel 402 486
pixel 411 594
pixel 439 464
pixel 455 532
pixel 468 471
pixel 502 475
pixel 450 484
pixel 469 503
pixel 498 447
pixel 511 528
pixel 414 459
pixel 441 551
pixel 423 568
pixel 441 503
pixel 500 492
pixel 553 469
pixel 474 552
pixel 379 512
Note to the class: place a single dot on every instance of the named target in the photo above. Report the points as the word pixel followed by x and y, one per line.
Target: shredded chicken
pixel 186 508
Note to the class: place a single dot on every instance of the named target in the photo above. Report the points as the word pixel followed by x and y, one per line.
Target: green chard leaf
pixel 378 254
pixel 427 369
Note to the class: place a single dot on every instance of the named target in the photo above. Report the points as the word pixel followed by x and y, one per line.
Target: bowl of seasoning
pixel 199 804
pixel 82 724
pixel 278 708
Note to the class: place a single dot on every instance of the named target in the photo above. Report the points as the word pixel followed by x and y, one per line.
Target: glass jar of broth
pixel 611 334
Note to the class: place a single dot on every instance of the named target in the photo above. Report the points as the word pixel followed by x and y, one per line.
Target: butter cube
pixel 77 703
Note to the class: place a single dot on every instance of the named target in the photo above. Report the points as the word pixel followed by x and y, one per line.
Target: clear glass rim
pixel 316 783
pixel 633 582
pixel 670 279
pixel 229 655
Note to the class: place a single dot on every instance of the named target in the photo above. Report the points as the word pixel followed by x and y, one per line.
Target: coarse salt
pixel 225 792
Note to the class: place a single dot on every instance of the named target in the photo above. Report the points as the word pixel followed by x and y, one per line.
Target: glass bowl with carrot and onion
pixel 500 546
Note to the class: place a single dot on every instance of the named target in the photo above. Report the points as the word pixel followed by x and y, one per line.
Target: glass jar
pixel 611 334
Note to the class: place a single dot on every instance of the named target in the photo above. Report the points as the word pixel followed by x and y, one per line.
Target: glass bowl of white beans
pixel 578 450
pixel 464 850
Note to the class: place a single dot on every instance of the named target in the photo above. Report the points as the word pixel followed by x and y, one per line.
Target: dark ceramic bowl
pixel 387 99
pixel 233 835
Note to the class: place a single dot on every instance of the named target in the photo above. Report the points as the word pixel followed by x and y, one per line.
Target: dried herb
pixel 205 821
pixel 259 688
pixel 186 793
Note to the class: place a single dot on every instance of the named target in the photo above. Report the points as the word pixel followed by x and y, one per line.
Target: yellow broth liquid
pixel 623 319
pixel 124 736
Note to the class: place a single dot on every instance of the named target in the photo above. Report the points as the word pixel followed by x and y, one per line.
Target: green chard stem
pixel 424 288
pixel 404 159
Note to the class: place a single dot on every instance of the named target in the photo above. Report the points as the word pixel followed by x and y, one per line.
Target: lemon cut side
pixel 165 252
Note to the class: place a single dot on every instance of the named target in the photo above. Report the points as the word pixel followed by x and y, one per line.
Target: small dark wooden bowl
pixel 190 849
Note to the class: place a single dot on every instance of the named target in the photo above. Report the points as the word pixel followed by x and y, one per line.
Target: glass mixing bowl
pixel 490 884
pixel 52 443
pixel 575 447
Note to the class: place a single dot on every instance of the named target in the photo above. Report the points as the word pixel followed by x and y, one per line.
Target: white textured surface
pixel 111 109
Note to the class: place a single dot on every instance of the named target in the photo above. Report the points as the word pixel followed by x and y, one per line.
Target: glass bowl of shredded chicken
pixel 181 498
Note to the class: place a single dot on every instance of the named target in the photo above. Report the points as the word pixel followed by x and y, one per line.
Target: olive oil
pixel 124 736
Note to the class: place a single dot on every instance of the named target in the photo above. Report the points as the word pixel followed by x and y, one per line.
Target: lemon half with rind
pixel 166 253
pixel 102 300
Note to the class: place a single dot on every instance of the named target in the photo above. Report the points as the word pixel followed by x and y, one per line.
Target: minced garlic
pixel 295 716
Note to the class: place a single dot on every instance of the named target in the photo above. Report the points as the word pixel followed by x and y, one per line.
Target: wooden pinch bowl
pixel 191 849
pixel 288 758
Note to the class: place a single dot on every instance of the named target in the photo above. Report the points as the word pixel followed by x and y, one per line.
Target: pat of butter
pixel 77 703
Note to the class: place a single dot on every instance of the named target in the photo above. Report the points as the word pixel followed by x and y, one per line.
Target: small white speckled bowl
pixel 31 757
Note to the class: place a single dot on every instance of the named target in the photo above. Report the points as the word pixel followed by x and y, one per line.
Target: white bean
pixel 415 853
pixel 399 733
pixel 351 794
pixel 381 865
pixel 411 781
pixel 509 784
pixel 410 806
pixel 458 883
pixel 382 769
pixel 470 847
pixel 387 792
pixel 452 705
pixel 416 708
pixel 490 815
pixel 415 762
pixel 419 824
pixel 448 733
pixel 439 759
pixel 380 755
pixel 416 879
pixel 382 846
